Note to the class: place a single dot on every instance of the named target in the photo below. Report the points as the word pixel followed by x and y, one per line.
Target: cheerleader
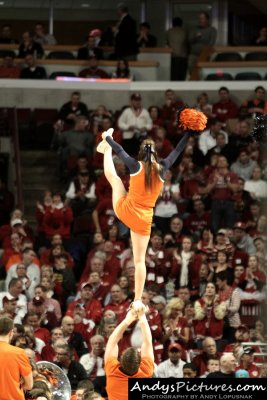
pixel 135 208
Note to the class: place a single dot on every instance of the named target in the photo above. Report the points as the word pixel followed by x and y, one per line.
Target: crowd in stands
pixel 69 283
pixel 126 41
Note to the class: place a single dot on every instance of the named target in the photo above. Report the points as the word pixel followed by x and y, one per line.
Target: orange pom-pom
pixel 192 120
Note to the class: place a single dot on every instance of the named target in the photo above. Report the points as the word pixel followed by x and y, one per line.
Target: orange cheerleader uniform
pixel 135 209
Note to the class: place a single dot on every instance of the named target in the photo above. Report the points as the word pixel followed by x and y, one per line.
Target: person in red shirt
pixel 92 306
pixel 246 362
pixel 57 218
pixel 225 108
pixel 118 304
pixel 198 220
pixel 131 364
pixel 221 185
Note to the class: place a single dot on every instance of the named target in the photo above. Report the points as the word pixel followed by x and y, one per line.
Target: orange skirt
pixel 137 218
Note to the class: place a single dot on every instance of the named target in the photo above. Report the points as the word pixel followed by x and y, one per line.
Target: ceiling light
pixel 85 5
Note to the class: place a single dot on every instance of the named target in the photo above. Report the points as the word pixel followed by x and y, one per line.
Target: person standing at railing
pixel 176 40
pixel 201 36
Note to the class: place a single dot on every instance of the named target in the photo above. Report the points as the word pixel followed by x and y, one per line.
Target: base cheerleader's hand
pixel 138 306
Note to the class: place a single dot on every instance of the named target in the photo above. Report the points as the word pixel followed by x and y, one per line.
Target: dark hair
pixel 122 7
pixel 205 13
pixel 76 93
pixel 13 282
pixel 146 151
pixel 145 25
pixel 6 325
pixel 190 365
pixel 259 88
pixel 222 275
pixel 123 73
pixel 223 88
pixel 177 21
pixel 130 361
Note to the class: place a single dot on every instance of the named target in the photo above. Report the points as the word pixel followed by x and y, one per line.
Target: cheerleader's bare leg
pixel 139 244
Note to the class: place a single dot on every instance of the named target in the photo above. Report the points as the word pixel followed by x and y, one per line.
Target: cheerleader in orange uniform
pixel 135 207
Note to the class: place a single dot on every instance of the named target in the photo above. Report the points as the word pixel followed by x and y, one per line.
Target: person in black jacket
pixel 125 35
pixel 90 50
pixel 227 367
pixel 75 370
pixel 73 109
pixel 29 46
pixel 74 339
pixel 32 71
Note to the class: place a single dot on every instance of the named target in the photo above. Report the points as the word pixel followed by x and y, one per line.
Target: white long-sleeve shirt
pixel 130 118
pixel 71 194
pixel 167 369
pixel 88 361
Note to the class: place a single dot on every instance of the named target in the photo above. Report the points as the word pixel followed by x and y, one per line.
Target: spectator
pixel 256 186
pixel 93 71
pixel 32 272
pixel 74 339
pixel 213 365
pixel 242 240
pixel 231 297
pixel 204 105
pixel 257 105
pixel 176 40
pixel 222 184
pixel 48 352
pixel 134 122
pixel 244 165
pixel 174 324
pixel 261 39
pixel 15 290
pixel 29 46
pixel 81 194
pixel 199 219
pixel 32 71
pixel 166 205
pixel 246 362
pixel 93 362
pixel 227 367
pixel 144 37
pixel 73 369
pixel 6 35
pixel 118 303
pixel 209 315
pixel 189 370
pixel 169 108
pixel 41 37
pixel 87 300
pixel 173 366
pixel 225 108
pixel 8 69
pixel 73 109
pixel 90 49
pixel 125 34
pixel 77 141
pixel 58 218
pixel 209 351
pixel 97 34
pixel 207 139
pixel 200 37
pixel 242 138
pixel 123 70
